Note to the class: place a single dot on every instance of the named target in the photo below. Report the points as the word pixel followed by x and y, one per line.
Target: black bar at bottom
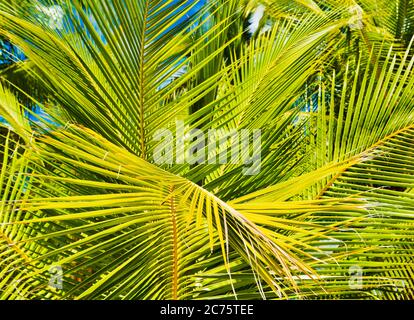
pixel 204 309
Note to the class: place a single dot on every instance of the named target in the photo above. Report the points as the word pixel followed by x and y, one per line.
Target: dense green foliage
pixel 328 82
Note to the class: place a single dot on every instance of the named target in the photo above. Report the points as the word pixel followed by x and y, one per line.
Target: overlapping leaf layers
pixel 329 84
